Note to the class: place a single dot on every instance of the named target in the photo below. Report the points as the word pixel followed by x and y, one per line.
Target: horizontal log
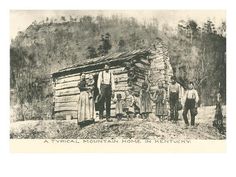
pixel 145 62
pixel 140 80
pixel 115 71
pixel 156 57
pixel 71 91
pixel 121 84
pixel 158 68
pixel 121 76
pixel 120 72
pixel 63 114
pixel 60 109
pixel 125 79
pixel 141 66
pixel 121 88
pixel 68 79
pixel 64 99
pixel 68 104
pixel 77 78
pixel 74 84
pixel 156 79
pixel 66 85
pixel 138 84
pixel 156 63
pixel 95 71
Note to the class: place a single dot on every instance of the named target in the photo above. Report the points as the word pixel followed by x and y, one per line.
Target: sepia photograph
pixel 156 75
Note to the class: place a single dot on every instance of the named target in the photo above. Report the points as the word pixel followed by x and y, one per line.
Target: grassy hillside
pixel 136 129
pixel 196 52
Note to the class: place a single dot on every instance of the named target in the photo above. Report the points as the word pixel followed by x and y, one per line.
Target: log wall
pixel 66 91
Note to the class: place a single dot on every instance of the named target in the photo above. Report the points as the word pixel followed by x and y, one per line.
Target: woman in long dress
pixel 85 105
pixel 159 99
pixel 145 100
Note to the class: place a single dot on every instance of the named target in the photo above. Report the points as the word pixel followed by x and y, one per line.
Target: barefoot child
pixel 129 105
pixel 119 106
pixel 159 100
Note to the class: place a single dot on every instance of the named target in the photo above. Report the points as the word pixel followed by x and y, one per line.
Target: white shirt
pixel 191 94
pixel 105 78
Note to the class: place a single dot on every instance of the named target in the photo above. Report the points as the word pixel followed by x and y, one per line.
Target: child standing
pixel 159 99
pixel 129 105
pixel 119 106
pixel 145 100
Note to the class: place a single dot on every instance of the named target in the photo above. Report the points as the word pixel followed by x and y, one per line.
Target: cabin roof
pixel 98 62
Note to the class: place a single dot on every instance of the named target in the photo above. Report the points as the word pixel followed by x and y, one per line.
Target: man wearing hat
pixel 105 85
pixel 191 99
pixel 174 97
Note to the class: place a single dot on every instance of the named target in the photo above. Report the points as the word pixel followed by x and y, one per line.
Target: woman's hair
pixel 82 74
pixel 145 85
pixel 118 95
pixel 191 83
pixel 173 78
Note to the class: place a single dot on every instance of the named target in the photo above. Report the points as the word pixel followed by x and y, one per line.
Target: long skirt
pixel 161 109
pixel 119 108
pixel 145 103
pixel 86 108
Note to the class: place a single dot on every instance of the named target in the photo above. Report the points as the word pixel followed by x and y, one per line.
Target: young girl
pixel 129 105
pixel 159 99
pixel 119 106
pixel 145 100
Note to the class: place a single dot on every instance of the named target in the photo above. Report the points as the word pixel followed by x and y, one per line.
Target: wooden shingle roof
pixel 98 62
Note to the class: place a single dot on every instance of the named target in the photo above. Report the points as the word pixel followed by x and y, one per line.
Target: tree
pixel 192 28
pixel 121 44
pixel 63 19
pixel 91 52
pixel 105 44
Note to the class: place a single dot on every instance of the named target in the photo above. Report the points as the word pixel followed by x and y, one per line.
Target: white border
pixel 117 164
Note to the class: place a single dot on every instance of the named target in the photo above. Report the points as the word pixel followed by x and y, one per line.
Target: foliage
pixel 196 52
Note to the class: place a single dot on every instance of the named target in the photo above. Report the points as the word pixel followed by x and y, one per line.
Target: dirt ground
pixel 135 129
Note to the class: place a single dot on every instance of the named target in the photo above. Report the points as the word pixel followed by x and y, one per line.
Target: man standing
pixel 190 103
pixel 174 98
pixel 105 86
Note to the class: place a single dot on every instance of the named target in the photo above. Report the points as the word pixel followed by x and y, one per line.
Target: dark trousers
pixel 174 98
pixel 105 98
pixel 189 105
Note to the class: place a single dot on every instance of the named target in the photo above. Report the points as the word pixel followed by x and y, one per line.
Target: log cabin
pixel 129 69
